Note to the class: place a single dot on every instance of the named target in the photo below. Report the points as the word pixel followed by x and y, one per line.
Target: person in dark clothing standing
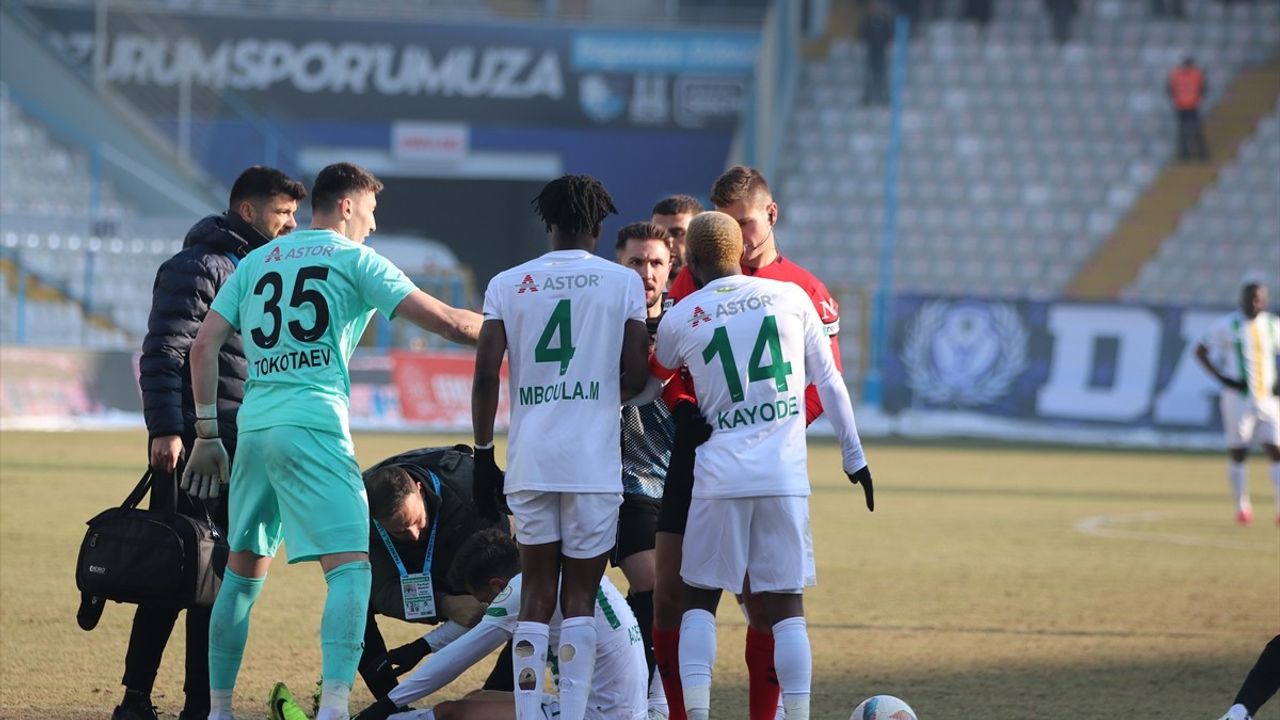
pixel 421 510
pixel 1187 87
pixel 1062 14
pixel 262 206
pixel 877 33
pixel 1260 684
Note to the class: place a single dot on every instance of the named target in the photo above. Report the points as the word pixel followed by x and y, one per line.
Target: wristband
pixel 207 428
pixel 486 446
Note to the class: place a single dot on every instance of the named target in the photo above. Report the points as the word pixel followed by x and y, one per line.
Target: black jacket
pixel 184 288
pixel 451 513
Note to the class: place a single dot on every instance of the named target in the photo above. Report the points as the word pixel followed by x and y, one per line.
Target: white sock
pixel 220 704
pixel 334 701
pixel 528 664
pixel 577 656
pixel 697 657
pixel 794 661
pixel 657 694
pixel 1275 484
pixel 1235 473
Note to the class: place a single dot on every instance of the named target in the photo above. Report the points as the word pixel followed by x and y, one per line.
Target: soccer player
pixel 567 319
pixel 647 435
pixel 742 193
pixel 674 214
pixel 751 345
pixel 261 207
pixel 488 565
pixel 1259 685
pixel 301 302
pixel 1240 351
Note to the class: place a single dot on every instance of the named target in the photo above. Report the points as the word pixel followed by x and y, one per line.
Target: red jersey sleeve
pixel 829 312
pixel 682 287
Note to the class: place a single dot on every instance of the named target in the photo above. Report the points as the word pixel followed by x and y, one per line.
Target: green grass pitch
pixel 993 583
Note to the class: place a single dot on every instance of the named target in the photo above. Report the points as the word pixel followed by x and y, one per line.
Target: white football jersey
pixel 1244 349
pixel 564 315
pixel 752 345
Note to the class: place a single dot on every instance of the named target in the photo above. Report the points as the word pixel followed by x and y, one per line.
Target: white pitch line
pixel 1104 526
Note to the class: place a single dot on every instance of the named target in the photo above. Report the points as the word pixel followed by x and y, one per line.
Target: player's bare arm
pixel 429 313
pixel 1202 355
pixel 635 358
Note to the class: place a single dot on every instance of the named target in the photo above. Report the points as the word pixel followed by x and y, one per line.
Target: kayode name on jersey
pixel 773 411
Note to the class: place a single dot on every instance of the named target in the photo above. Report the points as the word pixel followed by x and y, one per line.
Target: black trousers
pixel 152 626
pixel 1191 144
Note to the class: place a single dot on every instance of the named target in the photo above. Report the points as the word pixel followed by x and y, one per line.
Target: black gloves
pixel 404 658
pixel 486 485
pixel 1235 384
pixel 380 710
pixel 863 478
pixel 691 431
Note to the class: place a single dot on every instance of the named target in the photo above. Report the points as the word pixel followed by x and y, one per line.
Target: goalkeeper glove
pixel 863 478
pixel 486 485
pixel 404 658
pixel 206 470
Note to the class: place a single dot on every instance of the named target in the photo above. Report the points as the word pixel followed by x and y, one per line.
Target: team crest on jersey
pixel 527 284
pixel 700 316
pixel 274 255
pixel 964 353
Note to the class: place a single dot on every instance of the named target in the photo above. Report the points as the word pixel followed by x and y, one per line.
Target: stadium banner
pixel 1055 371
pixel 66 388
pixel 344 69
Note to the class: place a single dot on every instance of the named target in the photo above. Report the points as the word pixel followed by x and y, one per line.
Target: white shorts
pixel 585 524
pixel 765 537
pixel 1246 420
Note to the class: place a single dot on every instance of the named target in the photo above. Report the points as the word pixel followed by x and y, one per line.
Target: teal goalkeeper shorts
pixel 301 486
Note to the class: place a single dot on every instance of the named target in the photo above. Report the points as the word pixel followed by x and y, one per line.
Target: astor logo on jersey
pixel 527 284
pixel 539 394
pixel 557 282
pixel 773 411
pixel 733 307
pixel 700 316
pixel 293 360
pixel 299 252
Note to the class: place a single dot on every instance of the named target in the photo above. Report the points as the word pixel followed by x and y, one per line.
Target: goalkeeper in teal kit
pixel 301 303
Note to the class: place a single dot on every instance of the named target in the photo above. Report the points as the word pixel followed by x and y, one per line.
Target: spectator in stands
pixel 1062 15
pixel 263 202
pixel 1174 9
pixel 1187 87
pixel 877 33
pixel 421 511
pixel 978 11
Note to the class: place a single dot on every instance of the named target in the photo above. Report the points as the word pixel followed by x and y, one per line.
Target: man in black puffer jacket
pixel 263 202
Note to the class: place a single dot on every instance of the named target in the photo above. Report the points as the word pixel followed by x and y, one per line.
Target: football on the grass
pixel 883 707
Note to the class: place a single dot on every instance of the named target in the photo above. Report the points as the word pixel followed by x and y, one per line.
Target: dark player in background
pixel 261 208
pixel 742 193
pixel 1261 683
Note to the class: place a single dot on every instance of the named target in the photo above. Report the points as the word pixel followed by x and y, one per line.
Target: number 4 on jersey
pixel 558 325
pixel 766 339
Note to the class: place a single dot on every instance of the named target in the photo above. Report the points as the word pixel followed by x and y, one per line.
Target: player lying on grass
pixel 751 345
pixel 488 565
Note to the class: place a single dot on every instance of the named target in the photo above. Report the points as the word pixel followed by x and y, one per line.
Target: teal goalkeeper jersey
pixel 301 303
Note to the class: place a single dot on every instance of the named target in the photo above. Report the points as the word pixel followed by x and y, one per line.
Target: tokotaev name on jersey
pixel 556 392
pixel 292 360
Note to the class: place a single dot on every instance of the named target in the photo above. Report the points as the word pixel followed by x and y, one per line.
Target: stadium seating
pixel 1235 224
pixel 1018 157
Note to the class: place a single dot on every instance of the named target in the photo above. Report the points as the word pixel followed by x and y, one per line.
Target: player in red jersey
pixel 742 193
